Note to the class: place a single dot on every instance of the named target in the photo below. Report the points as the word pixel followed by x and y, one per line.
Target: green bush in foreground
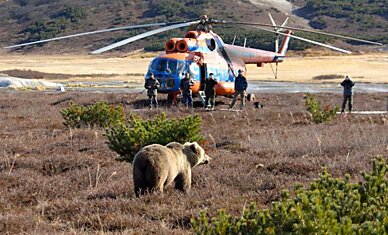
pixel 100 114
pixel 328 206
pixel 319 115
pixel 127 140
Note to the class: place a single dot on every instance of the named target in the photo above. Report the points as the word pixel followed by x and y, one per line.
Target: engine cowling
pixel 192 34
pixel 171 45
pixel 187 44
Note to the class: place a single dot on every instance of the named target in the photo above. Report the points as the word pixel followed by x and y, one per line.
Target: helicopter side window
pixel 193 70
pixel 211 44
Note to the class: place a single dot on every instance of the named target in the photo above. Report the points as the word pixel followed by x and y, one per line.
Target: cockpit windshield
pixel 168 66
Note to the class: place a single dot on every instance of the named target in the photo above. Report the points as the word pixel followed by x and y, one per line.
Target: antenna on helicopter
pixel 234 39
pixel 245 42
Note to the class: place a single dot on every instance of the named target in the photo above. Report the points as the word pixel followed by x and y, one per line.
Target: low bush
pixel 328 206
pixel 100 114
pixel 320 115
pixel 328 76
pixel 127 140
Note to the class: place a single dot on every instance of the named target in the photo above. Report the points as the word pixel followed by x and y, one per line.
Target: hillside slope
pixel 29 20
pixel 357 17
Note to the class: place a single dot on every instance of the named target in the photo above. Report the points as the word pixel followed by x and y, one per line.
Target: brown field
pixel 59 181
pixel 363 68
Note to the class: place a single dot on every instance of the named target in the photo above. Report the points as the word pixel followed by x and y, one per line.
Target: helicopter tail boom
pixel 284 46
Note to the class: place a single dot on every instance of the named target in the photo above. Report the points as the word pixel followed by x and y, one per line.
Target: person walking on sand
pixel 152 85
pixel 185 87
pixel 348 85
pixel 210 92
pixel 240 87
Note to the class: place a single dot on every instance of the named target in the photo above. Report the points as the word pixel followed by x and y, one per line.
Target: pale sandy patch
pixel 363 68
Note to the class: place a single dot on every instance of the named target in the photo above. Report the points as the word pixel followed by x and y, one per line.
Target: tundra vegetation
pixel 55 179
pixel 318 114
pixel 328 206
pixel 128 136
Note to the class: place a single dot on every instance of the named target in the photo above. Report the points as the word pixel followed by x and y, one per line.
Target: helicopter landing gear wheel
pixel 251 97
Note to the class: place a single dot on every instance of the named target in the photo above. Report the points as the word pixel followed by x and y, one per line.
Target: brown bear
pixel 156 166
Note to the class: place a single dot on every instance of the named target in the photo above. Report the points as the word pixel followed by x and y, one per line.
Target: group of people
pixel 240 87
pixel 186 84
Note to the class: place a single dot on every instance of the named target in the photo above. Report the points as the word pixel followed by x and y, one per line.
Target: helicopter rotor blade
pixel 308 40
pixel 143 35
pixel 284 23
pixel 308 31
pixel 273 21
pixel 92 32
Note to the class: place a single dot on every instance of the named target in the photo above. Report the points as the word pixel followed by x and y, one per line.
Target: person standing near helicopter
pixel 185 87
pixel 240 87
pixel 210 92
pixel 152 85
pixel 348 85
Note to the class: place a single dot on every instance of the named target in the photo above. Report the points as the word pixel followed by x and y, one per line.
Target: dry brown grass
pixel 57 181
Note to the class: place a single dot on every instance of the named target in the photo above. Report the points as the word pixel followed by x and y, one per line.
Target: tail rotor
pixel 278 30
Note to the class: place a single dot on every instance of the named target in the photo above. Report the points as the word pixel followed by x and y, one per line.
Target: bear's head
pixel 195 154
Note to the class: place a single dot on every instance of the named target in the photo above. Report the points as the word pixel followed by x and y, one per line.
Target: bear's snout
pixel 207 159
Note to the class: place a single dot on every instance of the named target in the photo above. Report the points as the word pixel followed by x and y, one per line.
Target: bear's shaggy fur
pixel 156 166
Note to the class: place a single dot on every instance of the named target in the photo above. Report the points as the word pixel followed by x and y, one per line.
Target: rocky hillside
pixel 29 20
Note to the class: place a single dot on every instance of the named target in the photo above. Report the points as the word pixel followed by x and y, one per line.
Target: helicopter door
pixel 203 74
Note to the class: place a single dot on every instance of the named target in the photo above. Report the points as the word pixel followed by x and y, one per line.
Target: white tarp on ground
pixel 20 83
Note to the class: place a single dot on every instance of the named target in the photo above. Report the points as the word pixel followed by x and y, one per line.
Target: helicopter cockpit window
pixel 167 66
pixel 158 66
pixel 161 66
pixel 172 66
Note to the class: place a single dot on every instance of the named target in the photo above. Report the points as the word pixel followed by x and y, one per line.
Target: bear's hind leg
pixel 143 181
pixel 140 187
pixel 183 181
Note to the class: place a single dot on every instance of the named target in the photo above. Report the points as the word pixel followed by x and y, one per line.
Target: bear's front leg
pixel 183 181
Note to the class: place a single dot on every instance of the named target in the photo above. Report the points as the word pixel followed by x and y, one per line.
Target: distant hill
pixel 29 20
pixel 365 18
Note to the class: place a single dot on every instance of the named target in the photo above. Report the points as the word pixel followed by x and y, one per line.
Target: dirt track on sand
pixel 363 68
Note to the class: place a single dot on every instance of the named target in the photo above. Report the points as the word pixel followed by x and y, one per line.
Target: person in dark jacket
pixel 152 85
pixel 240 87
pixel 348 85
pixel 185 87
pixel 210 92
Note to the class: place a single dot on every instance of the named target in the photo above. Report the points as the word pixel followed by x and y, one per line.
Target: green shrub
pixel 65 19
pixel 127 140
pixel 100 114
pixel 328 206
pixel 319 115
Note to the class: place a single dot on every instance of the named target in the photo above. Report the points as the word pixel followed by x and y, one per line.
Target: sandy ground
pixel 363 68
pixel 371 68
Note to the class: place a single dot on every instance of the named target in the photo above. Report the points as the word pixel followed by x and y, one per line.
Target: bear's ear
pixel 194 148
